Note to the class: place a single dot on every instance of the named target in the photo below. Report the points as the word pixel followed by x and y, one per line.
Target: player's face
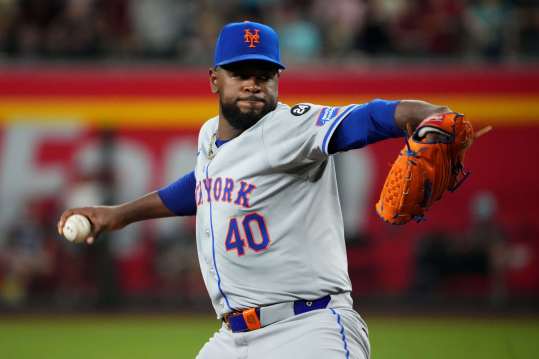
pixel 247 91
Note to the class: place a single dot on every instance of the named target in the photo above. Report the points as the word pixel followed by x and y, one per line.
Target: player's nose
pixel 251 85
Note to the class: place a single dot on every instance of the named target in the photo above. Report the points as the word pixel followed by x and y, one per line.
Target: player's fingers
pixel 60 226
pixel 94 234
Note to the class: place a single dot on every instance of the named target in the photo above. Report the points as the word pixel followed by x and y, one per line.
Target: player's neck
pixel 225 131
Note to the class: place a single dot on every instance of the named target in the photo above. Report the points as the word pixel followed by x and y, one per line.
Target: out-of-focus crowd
pixel 39 269
pixel 184 31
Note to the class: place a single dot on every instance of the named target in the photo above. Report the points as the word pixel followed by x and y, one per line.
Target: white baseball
pixel 77 228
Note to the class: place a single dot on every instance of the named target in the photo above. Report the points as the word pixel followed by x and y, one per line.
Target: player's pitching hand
pixel 102 218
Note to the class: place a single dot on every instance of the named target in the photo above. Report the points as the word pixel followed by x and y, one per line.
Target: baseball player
pixel 269 227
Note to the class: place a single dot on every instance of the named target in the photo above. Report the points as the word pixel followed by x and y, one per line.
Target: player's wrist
pixel 120 216
pixel 410 113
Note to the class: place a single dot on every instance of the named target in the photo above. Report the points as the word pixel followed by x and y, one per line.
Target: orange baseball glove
pixel 430 163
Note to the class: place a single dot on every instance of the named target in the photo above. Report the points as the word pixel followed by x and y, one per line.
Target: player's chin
pixel 251 114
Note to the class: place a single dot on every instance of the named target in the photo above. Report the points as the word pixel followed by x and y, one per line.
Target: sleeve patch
pixel 327 114
pixel 300 109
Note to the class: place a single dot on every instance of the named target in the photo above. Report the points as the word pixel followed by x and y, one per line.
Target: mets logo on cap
pixel 251 37
pixel 242 41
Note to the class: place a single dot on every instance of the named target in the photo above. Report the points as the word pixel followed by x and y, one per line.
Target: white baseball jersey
pixel 269 223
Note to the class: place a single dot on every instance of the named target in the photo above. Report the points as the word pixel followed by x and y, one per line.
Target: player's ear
pixel 213 79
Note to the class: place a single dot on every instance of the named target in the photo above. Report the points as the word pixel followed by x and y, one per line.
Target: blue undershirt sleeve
pixel 179 196
pixel 366 124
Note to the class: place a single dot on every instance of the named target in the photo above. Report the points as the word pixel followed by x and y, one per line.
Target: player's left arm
pixel 379 120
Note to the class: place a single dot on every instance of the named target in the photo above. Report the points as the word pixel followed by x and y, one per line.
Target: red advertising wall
pixel 152 108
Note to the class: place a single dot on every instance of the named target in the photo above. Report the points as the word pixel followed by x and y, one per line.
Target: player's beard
pixel 242 120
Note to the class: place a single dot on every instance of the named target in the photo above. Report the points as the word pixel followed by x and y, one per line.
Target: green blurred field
pixel 176 336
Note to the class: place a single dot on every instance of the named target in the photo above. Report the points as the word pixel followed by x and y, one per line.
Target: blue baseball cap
pixel 242 41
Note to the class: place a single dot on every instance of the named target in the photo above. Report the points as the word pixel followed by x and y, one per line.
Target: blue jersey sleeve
pixel 179 196
pixel 369 123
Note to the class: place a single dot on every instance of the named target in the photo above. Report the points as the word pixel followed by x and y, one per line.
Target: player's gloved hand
pixel 430 163
pixel 102 218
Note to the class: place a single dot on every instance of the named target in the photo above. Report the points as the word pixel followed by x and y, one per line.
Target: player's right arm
pixel 176 199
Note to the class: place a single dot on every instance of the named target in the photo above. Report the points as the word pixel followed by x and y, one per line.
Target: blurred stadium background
pixel 101 100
